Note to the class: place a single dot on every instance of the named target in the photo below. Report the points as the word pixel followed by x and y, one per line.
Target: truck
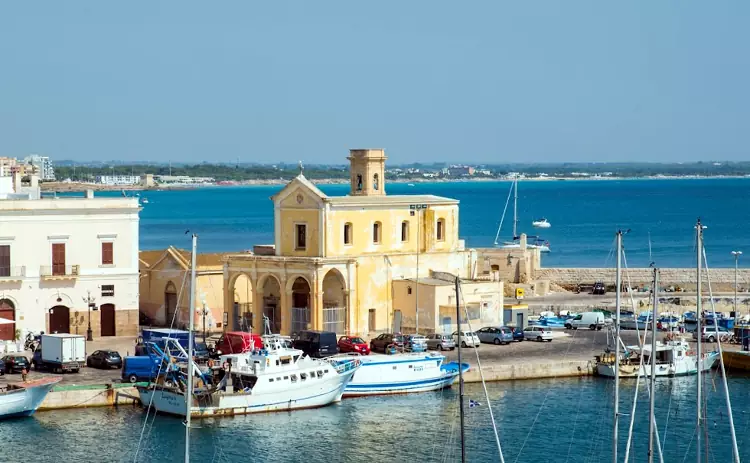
pixel 60 352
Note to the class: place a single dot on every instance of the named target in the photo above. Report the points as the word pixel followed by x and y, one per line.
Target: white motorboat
pixel 532 242
pixel 673 358
pixel 401 373
pixel 23 398
pixel 274 378
pixel 541 223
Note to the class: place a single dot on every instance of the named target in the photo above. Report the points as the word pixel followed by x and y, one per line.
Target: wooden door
pixel 5 260
pixel 107 320
pixel 59 319
pixel 8 312
pixel 58 259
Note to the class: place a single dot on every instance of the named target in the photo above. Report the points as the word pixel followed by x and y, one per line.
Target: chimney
pixel 89 194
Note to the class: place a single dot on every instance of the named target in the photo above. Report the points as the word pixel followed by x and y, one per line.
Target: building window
pixel 300 236
pixel 108 290
pixel 441 230
pixel 348 233
pixel 58 258
pixel 408 290
pixel 359 183
pixel 376 232
pixel 375 181
pixel 405 230
pixel 5 260
pixel 107 254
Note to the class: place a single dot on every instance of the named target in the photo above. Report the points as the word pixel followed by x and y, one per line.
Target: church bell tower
pixel 367 171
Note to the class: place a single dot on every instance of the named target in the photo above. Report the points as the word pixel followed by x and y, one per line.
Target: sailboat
pixel 532 241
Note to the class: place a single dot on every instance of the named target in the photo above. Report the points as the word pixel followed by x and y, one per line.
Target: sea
pixel 549 420
pixel 585 215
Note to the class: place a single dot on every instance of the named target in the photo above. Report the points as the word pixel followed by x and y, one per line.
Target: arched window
pixel 441 230
pixel 405 230
pixel 376 228
pixel 348 233
pixel 375 182
pixel 359 183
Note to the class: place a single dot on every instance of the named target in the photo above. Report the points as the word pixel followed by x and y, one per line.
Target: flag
pixel 473 403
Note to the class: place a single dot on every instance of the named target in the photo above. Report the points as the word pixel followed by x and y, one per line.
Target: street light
pixel 92 305
pixel 736 255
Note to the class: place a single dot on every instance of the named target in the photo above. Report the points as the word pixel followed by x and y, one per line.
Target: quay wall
pixel 721 278
pixel 523 370
pixel 100 395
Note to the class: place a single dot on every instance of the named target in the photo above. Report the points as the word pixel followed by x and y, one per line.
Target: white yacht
pixel 541 223
pixel 274 378
pixel 673 358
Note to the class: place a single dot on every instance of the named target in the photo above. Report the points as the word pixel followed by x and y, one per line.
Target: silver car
pixel 440 342
pixel 495 335
pixel 537 333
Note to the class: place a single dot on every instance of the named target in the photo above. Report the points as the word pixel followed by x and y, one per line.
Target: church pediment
pixel 300 193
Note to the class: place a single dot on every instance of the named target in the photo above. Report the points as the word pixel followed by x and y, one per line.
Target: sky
pixel 481 81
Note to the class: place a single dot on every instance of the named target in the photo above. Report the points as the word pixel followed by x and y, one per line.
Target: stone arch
pixel 170 304
pixel 270 288
pixel 59 319
pixel 335 306
pixel 301 301
pixel 241 290
pixel 376 182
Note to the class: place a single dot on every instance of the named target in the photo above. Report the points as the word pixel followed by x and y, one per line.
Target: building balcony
pixel 59 272
pixel 8 274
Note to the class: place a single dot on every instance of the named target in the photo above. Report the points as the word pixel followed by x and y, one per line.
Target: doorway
pixel 107 320
pixel 59 319
pixel 8 312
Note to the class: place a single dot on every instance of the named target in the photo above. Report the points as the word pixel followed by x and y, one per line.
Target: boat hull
pixel 316 395
pixel 734 360
pixel 402 374
pixel 25 400
pixel 687 367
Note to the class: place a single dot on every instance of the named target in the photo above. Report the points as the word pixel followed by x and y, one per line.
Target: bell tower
pixel 367 171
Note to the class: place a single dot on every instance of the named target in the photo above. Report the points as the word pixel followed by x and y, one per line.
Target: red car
pixel 353 344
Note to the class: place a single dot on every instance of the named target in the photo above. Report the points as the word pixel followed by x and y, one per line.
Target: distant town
pixel 115 174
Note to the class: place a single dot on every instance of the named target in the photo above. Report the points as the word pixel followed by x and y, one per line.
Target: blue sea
pixel 585 215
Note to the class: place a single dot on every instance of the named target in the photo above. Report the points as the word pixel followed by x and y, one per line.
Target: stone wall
pixel 722 279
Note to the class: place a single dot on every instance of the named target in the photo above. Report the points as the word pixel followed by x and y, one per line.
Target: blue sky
pixel 493 81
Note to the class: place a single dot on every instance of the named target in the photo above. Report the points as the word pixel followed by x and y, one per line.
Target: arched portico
pixel 335 314
pixel 301 304
pixel 270 292
pixel 243 315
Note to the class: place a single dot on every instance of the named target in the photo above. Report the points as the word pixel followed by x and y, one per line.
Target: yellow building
pixel 165 288
pixel 335 259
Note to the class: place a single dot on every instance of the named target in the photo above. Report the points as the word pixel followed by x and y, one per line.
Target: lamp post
pixel 91 305
pixel 736 255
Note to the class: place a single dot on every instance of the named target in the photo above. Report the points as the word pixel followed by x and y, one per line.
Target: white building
pixel 118 179
pixel 56 252
pixel 43 166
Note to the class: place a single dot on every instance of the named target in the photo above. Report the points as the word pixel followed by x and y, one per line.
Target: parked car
pixel 353 344
pixel 440 342
pixel 537 333
pixel 599 288
pixel 495 335
pixel 2 367
pixel 380 343
pixel 16 363
pixel 316 344
pixel 468 338
pixel 104 358
pixel 590 320
pixel 518 335
pixel 709 334
pixel 140 368
pixel 415 343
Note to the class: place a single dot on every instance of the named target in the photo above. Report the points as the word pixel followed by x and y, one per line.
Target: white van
pixel 590 320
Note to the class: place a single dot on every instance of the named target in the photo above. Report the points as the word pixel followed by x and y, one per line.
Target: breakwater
pixel 722 279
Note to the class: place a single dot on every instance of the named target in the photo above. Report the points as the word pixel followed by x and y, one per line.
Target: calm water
pixel 564 420
pixel 584 217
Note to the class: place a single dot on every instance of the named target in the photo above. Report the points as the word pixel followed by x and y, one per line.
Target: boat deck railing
pixel 343 364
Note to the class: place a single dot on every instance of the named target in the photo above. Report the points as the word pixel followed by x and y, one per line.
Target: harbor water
pixel 557 420
pixel 584 217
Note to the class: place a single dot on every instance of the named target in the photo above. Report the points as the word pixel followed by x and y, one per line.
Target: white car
pixel 537 333
pixel 468 339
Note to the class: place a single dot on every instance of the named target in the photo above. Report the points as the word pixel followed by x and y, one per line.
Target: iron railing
pixel 12 272
pixel 58 270
pixel 300 318
pixel 334 319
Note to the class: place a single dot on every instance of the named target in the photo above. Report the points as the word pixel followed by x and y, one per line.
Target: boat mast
pixel 189 391
pixel 699 332
pixel 460 372
pixel 515 208
pixel 652 357
pixel 618 283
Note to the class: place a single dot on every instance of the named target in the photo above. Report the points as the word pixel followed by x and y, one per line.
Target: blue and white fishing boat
pixel 401 374
pixel 23 398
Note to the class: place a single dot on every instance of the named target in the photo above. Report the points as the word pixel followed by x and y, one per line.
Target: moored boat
pixel 541 223
pixel 673 358
pixel 401 374
pixel 23 398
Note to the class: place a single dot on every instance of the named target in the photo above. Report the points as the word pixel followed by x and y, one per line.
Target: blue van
pixel 142 368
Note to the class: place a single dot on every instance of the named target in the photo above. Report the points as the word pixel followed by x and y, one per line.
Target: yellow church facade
pixel 335 259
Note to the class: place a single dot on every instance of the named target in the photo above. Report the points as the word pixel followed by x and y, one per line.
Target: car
pixel 495 335
pixel 2 367
pixel 599 288
pixel 468 338
pixel 710 335
pixel 415 343
pixel 16 363
pixel 440 342
pixel 518 335
pixel 353 344
pixel 537 333
pixel 381 343
pixel 317 344
pixel 105 359
pixel 590 320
